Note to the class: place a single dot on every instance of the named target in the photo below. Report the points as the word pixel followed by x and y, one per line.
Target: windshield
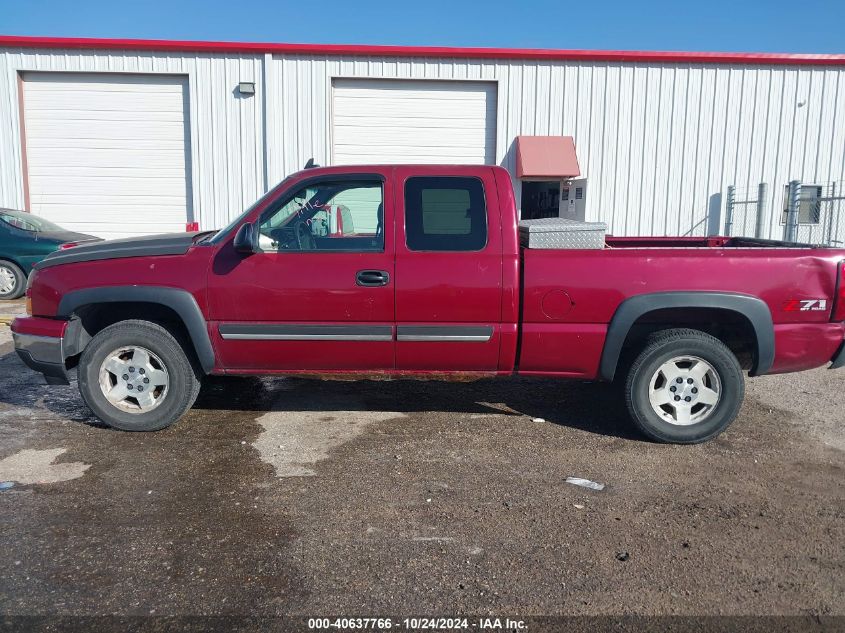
pixel 222 233
pixel 27 222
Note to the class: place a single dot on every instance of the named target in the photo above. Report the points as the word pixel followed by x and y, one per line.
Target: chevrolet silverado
pixel 418 271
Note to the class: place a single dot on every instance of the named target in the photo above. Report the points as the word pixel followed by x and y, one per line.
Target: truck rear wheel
pixel 135 376
pixel 685 387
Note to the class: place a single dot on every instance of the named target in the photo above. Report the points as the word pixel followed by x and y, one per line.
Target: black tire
pixel 668 345
pixel 183 381
pixel 19 280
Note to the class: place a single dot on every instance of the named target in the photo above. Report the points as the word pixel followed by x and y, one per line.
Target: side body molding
pixel 752 308
pixel 180 301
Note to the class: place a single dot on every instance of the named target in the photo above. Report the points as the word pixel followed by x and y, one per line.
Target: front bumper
pixel 839 359
pixel 40 343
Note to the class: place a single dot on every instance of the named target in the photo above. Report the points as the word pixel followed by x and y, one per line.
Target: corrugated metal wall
pixel 227 131
pixel 659 143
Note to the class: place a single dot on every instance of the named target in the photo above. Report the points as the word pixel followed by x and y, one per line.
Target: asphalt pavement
pixel 293 496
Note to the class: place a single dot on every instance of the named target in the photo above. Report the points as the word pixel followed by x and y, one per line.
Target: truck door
pixel 319 293
pixel 448 269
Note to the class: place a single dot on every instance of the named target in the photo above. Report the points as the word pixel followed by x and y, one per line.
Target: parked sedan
pixel 25 240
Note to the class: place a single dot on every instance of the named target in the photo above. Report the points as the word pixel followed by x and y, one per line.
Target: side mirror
pixel 244 242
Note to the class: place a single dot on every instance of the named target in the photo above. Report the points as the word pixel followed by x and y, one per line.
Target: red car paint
pixel 38 326
pixel 549 310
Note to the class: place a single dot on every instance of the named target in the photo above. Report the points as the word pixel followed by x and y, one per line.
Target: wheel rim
pixel 685 390
pixel 8 281
pixel 134 379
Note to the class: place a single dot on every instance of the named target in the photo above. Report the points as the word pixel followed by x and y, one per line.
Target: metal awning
pixel 550 157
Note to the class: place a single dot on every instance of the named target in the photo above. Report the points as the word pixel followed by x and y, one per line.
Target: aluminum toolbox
pixel 561 233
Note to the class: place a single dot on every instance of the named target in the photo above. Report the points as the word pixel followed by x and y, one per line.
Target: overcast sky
pixel 811 26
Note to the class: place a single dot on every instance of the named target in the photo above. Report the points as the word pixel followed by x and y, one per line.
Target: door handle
pixel 372 278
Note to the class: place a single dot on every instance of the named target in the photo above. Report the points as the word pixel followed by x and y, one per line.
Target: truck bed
pixel 698 242
pixel 570 296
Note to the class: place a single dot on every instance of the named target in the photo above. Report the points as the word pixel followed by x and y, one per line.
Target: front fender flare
pixel 753 309
pixel 180 301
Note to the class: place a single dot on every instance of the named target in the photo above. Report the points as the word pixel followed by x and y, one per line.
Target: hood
pixel 145 246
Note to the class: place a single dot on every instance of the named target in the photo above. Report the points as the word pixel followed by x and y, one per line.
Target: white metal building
pixel 129 137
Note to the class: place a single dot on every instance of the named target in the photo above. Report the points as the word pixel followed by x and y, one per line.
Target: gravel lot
pixel 280 496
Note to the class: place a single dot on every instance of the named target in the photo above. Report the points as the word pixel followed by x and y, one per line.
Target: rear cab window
pixel 445 213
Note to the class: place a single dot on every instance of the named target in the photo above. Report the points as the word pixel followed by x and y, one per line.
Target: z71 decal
pixel 805 305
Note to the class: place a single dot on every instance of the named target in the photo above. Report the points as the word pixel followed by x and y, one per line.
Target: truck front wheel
pixel 685 387
pixel 135 376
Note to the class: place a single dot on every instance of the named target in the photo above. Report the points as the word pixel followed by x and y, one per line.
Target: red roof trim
pixel 425 51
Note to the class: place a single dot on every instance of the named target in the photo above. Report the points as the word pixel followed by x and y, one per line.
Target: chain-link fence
pixel 812 213
pixel 745 211
pixel 809 213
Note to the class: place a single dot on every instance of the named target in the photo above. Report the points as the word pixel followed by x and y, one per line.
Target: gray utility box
pixel 561 233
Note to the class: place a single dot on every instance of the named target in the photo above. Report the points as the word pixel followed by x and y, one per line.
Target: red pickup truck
pixel 418 271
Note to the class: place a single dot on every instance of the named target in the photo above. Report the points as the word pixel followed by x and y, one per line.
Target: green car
pixel 25 240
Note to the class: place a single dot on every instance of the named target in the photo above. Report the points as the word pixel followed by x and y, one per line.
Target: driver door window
pixel 333 216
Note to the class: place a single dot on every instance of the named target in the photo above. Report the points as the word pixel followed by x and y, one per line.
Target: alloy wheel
pixel 134 379
pixel 685 390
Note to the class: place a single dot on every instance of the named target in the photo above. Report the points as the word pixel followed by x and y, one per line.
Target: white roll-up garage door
pixel 413 121
pixel 107 154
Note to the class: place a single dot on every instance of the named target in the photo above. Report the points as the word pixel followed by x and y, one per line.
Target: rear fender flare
pixel 629 311
pixel 180 301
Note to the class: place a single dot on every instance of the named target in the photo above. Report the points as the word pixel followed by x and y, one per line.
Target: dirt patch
pixel 31 466
pixel 293 440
